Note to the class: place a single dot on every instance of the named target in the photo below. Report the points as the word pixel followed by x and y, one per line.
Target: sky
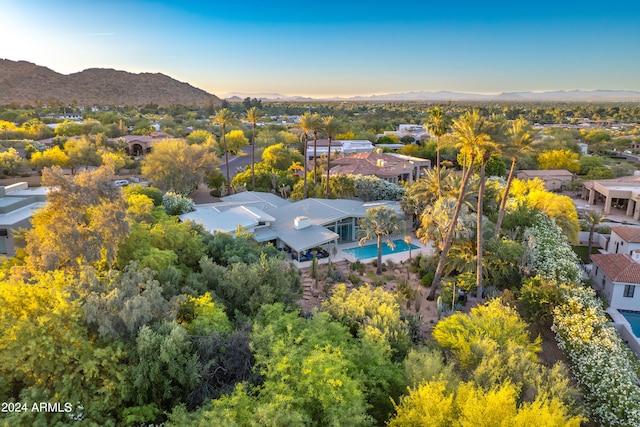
pixel 336 48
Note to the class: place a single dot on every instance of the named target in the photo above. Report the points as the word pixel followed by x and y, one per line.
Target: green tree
pixel 224 118
pixel 81 153
pixel 378 223
pixel 519 143
pixel 254 115
pixel 175 165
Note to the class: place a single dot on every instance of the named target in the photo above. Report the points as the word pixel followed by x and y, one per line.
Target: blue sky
pixel 330 48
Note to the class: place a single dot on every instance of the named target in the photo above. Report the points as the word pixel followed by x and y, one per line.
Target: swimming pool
pixel 633 317
pixel 371 251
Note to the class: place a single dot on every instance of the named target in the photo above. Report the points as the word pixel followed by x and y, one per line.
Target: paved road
pixel 238 163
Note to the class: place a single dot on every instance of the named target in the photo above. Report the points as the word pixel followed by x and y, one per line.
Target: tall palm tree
pixel 468 130
pixel 592 218
pixel 484 151
pixel 306 125
pixel 330 126
pixel 316 125
pixel 519 142
pixel 223 118
pixel 254 115
pixel 378 223
pixel 438 125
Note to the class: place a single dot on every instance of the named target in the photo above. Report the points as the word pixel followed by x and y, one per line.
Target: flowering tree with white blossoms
pixel 601 363
pixel 548 253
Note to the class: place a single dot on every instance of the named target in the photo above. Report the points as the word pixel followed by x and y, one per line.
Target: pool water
pixel 371 251
pixel 633 317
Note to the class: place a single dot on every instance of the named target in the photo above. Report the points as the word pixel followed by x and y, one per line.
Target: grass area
pixel 582 252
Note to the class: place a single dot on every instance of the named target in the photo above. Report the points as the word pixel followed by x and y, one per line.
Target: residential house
pixel 18 202
pixel 622 193
pixel 616 276
pixel 554 179
pixel 388 166
pixel 624 240
pixel 296 227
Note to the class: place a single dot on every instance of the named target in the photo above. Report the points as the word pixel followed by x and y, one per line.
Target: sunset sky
pixel 332 48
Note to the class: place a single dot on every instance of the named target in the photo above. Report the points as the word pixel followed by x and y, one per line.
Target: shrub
pixel 354 278
pixel 176 204
pixel 427 280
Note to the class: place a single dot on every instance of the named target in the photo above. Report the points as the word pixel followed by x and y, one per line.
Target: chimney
pixel 301 222
pixel 635 255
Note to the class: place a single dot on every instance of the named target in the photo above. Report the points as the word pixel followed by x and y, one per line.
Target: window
pixel 628 291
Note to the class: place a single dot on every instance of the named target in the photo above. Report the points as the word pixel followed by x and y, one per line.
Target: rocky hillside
pixel 26 83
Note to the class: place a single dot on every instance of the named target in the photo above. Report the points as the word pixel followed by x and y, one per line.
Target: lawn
pixel 582 252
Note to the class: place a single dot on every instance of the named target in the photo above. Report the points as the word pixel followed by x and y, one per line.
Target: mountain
pixel 25 83
pixel 442 96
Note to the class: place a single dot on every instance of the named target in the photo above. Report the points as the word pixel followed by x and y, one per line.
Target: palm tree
pixel 519 142
pixel 254 115
pixel 484 151
pixel 223 118
pixel 306 125
pixel 592 218
pixel 378 223
pixel 468 130
pixel 330 126
pixel 316 125
pixel 438 125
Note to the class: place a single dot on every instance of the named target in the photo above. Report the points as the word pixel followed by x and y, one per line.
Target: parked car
pixel 121 183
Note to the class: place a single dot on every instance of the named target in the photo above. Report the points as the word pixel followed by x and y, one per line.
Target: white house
pixel 296 227
pixel 616 277
pixel 624 240
pixel 17 205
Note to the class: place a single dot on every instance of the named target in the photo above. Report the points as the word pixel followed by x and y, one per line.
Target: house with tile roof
pixel 616 277
pixel 554 179
pixel 624 240
pixel 387 166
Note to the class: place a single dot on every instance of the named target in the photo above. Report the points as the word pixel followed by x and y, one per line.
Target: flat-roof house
pixel 298 226
pixel 623 192
pixel 617 276
pixel 554 179
pixel 18 202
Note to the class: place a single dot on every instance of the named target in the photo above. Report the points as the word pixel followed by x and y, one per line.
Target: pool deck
pixel 623 327
pixel 396 257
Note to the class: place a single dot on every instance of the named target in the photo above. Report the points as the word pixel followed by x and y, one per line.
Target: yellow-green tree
pixel 175 165
pixel 52 157
pixel 438 405
pixel 236 141
pixel 559 159
pixel 84 221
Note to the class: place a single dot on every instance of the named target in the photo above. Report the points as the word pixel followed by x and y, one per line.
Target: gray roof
pixel 227 221
pixel 262 200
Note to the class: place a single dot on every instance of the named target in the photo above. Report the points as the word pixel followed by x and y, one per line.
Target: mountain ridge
pixel 601 95
pixel 25 83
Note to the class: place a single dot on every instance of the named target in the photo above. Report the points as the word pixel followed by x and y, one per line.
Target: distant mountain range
pixel 441 96
pixel 25 83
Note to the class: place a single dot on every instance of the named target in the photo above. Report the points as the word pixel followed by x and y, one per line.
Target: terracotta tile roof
pixel 372 163
pixel 628 234
pixel 618 267
pixel 551 173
